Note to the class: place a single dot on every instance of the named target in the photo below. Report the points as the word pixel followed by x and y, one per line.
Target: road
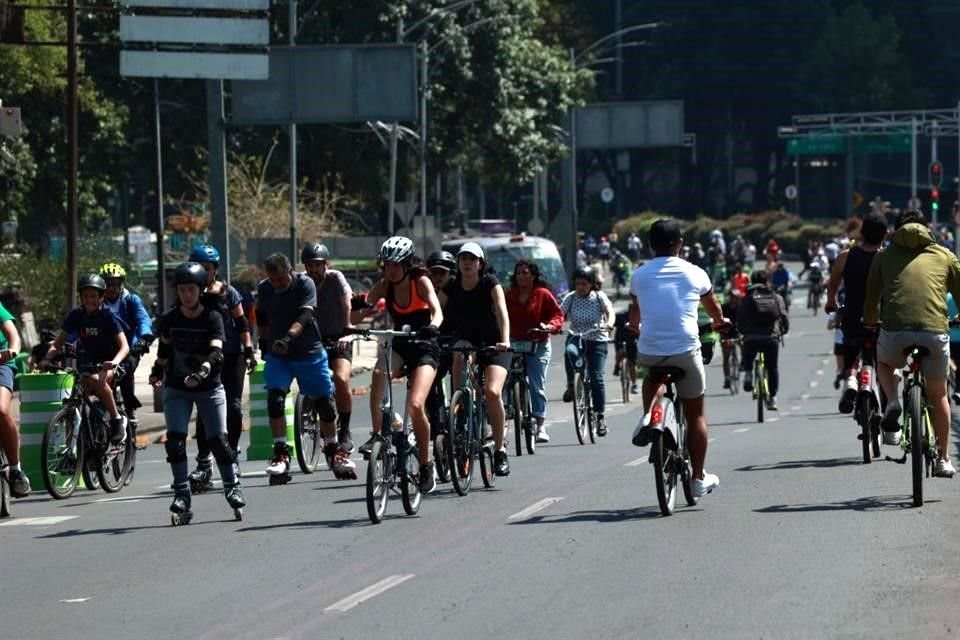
pixel 800 541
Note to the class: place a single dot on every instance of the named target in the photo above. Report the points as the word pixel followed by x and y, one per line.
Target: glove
pixel 250 358
pixel 198 376
pixel 156 373
pixel 282 346
pixel 429 332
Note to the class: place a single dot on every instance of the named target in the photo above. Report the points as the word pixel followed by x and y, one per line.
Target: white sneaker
pixel 542 436
pixel 705 486
pixel 944 469
pixel 891 437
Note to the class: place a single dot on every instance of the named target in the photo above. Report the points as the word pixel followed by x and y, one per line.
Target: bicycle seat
pixel 921 351
pixel 665 374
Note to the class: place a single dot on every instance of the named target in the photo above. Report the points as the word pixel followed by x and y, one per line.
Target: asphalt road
pixel 801 540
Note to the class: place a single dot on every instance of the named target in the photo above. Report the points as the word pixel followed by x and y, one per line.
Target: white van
pixel 503 251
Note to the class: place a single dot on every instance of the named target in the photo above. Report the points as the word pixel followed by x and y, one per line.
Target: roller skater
pixel 279 468
pixel 180 509
pixel 235 499
pixel 201 478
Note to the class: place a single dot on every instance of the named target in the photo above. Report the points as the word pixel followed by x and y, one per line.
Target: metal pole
pixel 934 215
pixel 913 157
pixel 796 181
pixel 293 145
pixel 424 65
pixel 217 143
pixel 72 153
pixel 438 219
pixel 618 19
pixel 572 251
pixel 161 254
pixel 393 154
pixel 460 210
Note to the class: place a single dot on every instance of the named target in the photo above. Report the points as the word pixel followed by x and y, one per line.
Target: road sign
pixel 913 203
pixel 606 194
pixel 791 192
pixel 405 211
pixel 535 226
pixel 816 146
pixel 627 125
pixel 891 143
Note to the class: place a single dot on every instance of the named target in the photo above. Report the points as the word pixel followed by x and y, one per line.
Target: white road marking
pixel 825 361
pixel 253 474
pixel 37 522
pixel 123 499
pixel 814 384
pixel 741 430
pixel 795 407
pixel 74 600
pixel 819 372
pixel 711 440
pixel 772 419
pixel 373 590
pixel 632 463
pixel 805 396
pixel 532 509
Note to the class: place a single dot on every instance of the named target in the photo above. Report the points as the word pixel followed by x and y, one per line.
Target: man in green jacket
pixel 912 277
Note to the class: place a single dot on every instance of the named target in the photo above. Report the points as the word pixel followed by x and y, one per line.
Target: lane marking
pixel 123 499
pixel 150 461
pixel 253 474
pixel 74 600
pixel 825 361
pixel 741 430
pixel 814 383
pixel 532 509
pixel 37 522
pixel 709 440
pixel 805 396
pixel 795 407
pixel 635 463
pixel 373 590
pixel 819 372
pixel 772 419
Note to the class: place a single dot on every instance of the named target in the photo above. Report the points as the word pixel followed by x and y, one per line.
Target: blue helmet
pixel 205 253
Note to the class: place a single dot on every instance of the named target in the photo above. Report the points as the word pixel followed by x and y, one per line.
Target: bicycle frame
pixel 913 379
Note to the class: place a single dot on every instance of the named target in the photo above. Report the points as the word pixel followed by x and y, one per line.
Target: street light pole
pixel 293 145
pixel 424 58
pixel 72 153
pixel 393 152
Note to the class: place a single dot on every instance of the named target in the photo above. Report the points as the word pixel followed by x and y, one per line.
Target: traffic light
pixel 934 200
pixel 936 174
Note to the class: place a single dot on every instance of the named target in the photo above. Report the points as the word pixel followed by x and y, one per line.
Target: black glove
pixel 250 358
pixel 428 332
pixel 156 372
pixel 282 346
pixel 199 376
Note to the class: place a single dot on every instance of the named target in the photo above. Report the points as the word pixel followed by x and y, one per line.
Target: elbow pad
pixel 241 324
pixel 215 358
pixel 164 350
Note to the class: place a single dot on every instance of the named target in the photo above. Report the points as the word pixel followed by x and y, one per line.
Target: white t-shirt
pixel 668 291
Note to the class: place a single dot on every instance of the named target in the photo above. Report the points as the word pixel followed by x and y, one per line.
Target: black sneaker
pixel 601 426
pixel 501 466
pixel 19 484
pixel 118 429
pixel 346 442
pixel 428 479
pixel 367 446
pixel 616 371
pixel 568 394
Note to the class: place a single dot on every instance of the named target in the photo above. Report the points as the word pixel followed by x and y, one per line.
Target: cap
pixel 472 248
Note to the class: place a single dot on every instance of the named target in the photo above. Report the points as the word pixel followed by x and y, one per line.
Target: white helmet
pixel 396 249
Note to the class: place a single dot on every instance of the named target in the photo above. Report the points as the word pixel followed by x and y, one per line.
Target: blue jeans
pixel 211 410
pixel 596 362
pixel 537 363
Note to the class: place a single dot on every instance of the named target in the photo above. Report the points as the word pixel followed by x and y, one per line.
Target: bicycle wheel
pixel 664 471
pixel 114 465
pixel 864 416
pixel 580 417
pixel 61 454
pixel 440 445
pixel 759 384
pixel 516 415
pixel 486 467
pixel 409 483
pixel 306 434
pixel 735 371
pixel 4 486
pixel 378 483
pixel 459 453
pixel 529 423
pixel 917 443
pixel 625 379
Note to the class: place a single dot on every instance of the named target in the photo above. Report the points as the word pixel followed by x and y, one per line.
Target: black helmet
pixel 91 281
pixel 585 273
pixel 190 273
pixel 443 259
pixel 314 251
pixel 396 249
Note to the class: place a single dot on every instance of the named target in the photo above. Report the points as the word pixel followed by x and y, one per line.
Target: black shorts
pixel 839 348
pixel 334 353
pixel 498 359
pixel 417 354
pixel 630 348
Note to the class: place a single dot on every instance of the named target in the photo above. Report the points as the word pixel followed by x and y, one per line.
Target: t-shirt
pixel 96 334
pixel 668 291
pixel 331 311
pixel 585 312
pixel 281 308
pixel 190 339
pixel 469 315
pixel 5 316
pixel 228 299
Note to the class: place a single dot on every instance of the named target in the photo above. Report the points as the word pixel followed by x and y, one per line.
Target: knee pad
pixel 176 447
pixel 222 452
pixel 326 410
pixel 275 402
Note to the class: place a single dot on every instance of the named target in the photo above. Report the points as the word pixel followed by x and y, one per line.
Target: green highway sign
pixel 890 143
pixel 816 146
pixel 831 144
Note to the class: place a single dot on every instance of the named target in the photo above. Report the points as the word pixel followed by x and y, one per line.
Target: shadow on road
pixel 116 531
pixel 828 463
pixel 613 515
pixel 310 524
pixel 871 503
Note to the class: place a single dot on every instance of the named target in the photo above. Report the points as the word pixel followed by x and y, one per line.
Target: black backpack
pixel 765 305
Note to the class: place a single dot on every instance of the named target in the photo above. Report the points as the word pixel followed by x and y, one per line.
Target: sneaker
pixel 118 429
pixel 428 477
pixel 568 394
pixel 601 426
pixel 635 388
pixel 542 436
pixel 703 487
pixel 891 417
pixel 955 397
pixel 890 437
pixel 67 465
pixel 944 469
pixel 748 381
pixel 837 381
pixel 280 463
pixel 772 404
pixel 367 446
pixel 19 484
pixel 726 383
pixel 616 371
pixel 849 397
pixel 346 442
pixel 501 466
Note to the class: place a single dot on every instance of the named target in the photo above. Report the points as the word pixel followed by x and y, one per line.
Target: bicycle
pixel 917 438
pixel 584 420
pixel 4 486
pixel 76 441
pixel 468 415
pixel 517 403
pixel 866 411
pixel 813 296
pixel 733 365
pixel 668 449
pixel 625 366
pixel 761 385
pixel 393 464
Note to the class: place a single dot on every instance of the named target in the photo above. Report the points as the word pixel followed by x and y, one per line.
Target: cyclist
pixel 441 265
pixel 665 295
pixel 603 251
pixel 534 314
pixel 739 280
pixel 238 357
pixel 727 344
pixel 912 277
pixel 772 252
pixel 188 364
pixel 815 278
pixel 101 342
pixel 333 320
pixel 780 279
pixel 9 430
pixel 411 300
pixel 625 343
pixel 762 320
pixel 634 245
pixel 850 272
pixel 475 309
pixel 138 328
pixel 590 314
pixel 290 340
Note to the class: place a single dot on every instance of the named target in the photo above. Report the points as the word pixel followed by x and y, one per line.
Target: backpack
pixel 766 308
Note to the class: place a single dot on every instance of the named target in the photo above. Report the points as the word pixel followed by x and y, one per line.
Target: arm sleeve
pixel 550 312
pixel 702 281
pixel 871 301
pixel 143 328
